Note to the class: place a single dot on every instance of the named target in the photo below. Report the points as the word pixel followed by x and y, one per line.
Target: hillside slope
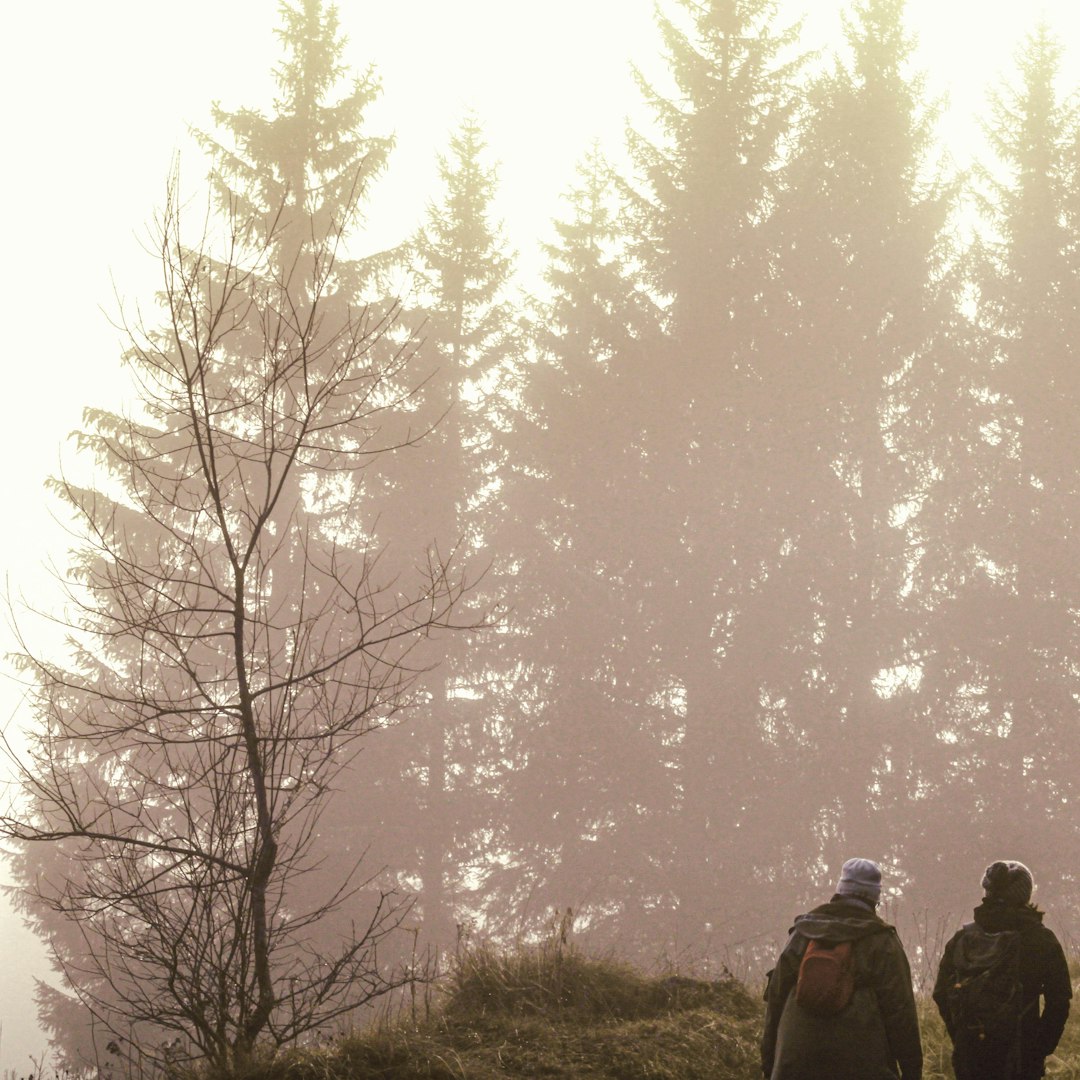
pixel 551 1012
pixel 556 1014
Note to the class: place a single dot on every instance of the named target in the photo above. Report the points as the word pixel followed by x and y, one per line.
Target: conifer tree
pixel 312 155
pixel 699 221
pixel 435 785
pixel 587 790
pixel 462 271
pixel 297 168
pixel 1006 633
pixel 868 304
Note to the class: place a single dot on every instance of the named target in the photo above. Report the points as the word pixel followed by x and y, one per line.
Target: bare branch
pixel 230 641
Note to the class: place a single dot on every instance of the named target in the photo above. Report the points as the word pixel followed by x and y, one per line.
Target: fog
pixel 772 500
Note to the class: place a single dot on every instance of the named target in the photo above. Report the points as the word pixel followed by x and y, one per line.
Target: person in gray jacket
pixel 875 1035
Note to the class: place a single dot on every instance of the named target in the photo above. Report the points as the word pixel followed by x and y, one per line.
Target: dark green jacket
pixel 1047 990
pixel 875 1037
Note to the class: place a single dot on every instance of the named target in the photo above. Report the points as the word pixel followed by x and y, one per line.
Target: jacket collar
pixel 994 916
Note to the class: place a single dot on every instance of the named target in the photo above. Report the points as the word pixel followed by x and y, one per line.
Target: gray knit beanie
pixel 1008 880
pixel 861 879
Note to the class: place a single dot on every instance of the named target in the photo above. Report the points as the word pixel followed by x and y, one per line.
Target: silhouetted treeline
pixel 775 480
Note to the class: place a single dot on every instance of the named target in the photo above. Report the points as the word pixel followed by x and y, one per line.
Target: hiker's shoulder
pixel 839 921
pixel 1027 921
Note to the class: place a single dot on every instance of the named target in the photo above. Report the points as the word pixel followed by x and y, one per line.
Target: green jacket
pixel 875 1037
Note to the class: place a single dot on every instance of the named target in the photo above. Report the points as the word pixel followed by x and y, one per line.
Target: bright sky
pixel 96 100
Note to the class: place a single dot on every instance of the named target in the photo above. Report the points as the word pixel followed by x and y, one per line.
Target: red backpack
pixel 826 977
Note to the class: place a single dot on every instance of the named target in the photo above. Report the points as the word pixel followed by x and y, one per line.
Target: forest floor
pixel 555 1014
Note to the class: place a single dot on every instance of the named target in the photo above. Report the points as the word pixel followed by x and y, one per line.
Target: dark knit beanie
pixel 1009 881
pixel 860 878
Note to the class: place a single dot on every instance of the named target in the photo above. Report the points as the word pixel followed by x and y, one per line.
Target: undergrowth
pixel 550 1011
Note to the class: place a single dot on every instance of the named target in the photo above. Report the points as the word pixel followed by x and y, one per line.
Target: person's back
pixel 994 974
pixel 875 1028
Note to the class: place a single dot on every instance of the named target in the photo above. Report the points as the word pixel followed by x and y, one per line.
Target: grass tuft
pixel 567 987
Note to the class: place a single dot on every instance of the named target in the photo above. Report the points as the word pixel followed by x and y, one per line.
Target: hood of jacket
pixel 839 920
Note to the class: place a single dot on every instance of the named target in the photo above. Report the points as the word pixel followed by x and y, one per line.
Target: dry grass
pixel 551 1012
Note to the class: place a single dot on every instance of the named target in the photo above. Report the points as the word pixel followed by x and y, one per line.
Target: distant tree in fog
pixel 429 807
pixel 699 228
pixel 234 630
pixel 585 811
pixel 867 299
pixel 1003 665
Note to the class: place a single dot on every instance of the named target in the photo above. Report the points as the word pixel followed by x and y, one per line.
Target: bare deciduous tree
pixel 233 635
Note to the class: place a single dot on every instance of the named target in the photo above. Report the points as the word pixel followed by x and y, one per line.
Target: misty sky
pixel 96 102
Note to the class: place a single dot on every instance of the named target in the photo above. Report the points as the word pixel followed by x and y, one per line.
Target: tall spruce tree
pixel 1003 667
pixel 587 791
pixel 868 301
pixel 297 167
pixel 434 786
pixel 463 272
pixel 710 184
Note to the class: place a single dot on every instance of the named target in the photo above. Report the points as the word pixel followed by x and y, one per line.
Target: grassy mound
pixel 553 1013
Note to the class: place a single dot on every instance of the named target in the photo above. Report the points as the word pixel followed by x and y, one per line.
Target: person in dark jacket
pixel 875 1036
pixel 1045 988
